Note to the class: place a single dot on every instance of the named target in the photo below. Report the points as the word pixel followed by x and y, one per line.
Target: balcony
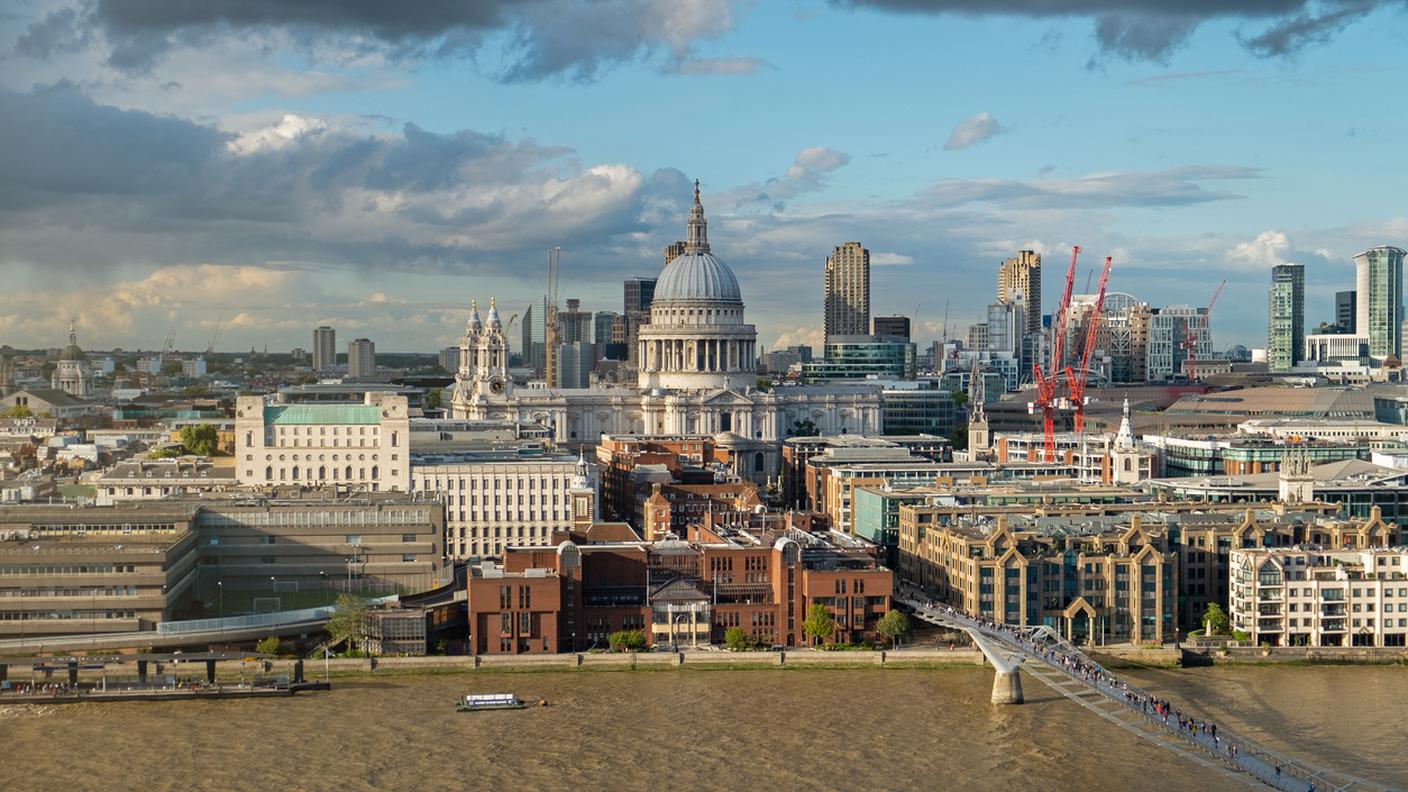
pixel 1333 625
pixel 1332 610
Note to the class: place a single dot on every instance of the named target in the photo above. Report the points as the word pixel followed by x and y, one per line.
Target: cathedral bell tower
pixel 483 373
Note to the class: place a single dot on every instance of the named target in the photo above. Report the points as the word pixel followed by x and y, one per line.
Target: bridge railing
pixel 1271 767
pixel 232 623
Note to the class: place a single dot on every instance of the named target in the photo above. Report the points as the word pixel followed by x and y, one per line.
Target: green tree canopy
pixel 1216 621
pixel 432 399
pixel 892 625
pixel 165 452
pixel 738 639
pixel 805 428
pixel 200 439
pixel 347 618
pixel 627 641
pixel 819 625
pixel 18 411
pixel 271 645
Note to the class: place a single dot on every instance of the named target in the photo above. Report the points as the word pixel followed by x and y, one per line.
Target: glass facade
pixel 858 357
pixel 1379 302
pixel 1285 334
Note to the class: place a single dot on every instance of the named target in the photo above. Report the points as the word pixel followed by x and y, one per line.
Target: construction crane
pixel 215 336
pixel 1077 378
pixel 550 330
pixel 1190 343
pixel 1046 382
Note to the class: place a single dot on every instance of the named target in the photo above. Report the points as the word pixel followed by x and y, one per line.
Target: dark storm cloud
pixel 544 38
pixel 418 200
pixel 1152 29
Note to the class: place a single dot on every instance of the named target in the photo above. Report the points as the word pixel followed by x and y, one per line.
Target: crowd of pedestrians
pixel 1158 710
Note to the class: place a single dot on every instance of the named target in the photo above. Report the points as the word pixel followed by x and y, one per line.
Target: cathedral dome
pixel 697 277
pixel 72 353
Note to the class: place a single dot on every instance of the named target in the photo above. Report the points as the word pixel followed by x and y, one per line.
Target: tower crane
pixel 1076 379
pixel 1190 343
pixel 1046 382
pixel 210 349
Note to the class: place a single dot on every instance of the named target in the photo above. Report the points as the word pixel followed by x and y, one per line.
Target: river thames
pixel 690 729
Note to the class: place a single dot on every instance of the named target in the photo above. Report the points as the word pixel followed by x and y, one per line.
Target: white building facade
pixel 1316 597
pixel 312 445
pixel 498 499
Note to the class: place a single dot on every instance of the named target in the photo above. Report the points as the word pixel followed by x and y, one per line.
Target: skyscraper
pixel 1379 300
pixel 639 293
pixel 574 324
pixel 1021 275
pixel 1285 331
pixel 1345 310
pixel 324 348
pixel 361 358
pixel 847 289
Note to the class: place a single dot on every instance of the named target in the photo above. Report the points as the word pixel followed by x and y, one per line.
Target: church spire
pixel 73 330
pixel 1124 438
pixel 698 239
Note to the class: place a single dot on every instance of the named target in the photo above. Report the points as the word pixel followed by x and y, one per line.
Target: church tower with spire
pixel 1126 461
pixel 979 437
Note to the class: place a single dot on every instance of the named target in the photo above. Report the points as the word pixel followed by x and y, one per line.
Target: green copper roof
pixel 291 414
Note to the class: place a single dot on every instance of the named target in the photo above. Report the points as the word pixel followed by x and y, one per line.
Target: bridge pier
pixel 1006 686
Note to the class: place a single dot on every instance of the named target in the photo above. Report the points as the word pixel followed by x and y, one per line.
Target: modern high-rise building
pixel 1285 330
pixel 847 290
pixel 450 359
pixel 1379 300
pixel 1344 311
pixel 601 326
pixel 361 358
pixel 1020 278
pixel 574 324
pixel 673 251
pixel 324 348
pixel 896 326
pixel 639 293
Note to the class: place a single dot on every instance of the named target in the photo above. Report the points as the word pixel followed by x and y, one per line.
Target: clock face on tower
pixel 496 386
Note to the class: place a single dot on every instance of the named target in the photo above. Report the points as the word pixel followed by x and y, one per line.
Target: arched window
pixel 322 473
pixel 1128 464
pixel 295 473
pixel 348 475
pixel 269 473
pixel 758 464
pixel 374 472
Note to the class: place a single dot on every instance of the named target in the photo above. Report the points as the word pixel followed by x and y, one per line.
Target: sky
pixel 263 167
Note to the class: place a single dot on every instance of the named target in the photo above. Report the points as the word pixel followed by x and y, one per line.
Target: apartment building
pixel 1310 596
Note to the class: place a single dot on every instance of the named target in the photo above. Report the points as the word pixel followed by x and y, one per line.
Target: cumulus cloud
pixel 1267 250
pixel 289 129
pixel 973 130
pixel 806 335
pixel 808 173
pixel 890 260
pixel 541 38
pixel 1151 30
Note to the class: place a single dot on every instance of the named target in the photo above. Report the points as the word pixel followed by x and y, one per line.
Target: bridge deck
pixel 1068 671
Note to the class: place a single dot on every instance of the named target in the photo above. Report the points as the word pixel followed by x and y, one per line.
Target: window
pixel 408 557
pixel 354 539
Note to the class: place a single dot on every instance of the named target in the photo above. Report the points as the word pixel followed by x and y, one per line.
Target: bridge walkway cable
pixel 1065 668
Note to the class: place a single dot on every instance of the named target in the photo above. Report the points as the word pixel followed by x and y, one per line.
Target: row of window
pixel 65 569
pixel 110 591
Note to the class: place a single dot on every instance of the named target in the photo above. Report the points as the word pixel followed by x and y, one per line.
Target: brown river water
pixel 695 729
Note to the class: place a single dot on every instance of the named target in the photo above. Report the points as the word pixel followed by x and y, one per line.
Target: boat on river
pixel 489 701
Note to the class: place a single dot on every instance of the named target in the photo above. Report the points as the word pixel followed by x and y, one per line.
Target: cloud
pixel 723 66
pixel 1175 187
pixel 808 173
pixel 1267 250
pixel 806 335
pixel 539 38
pixel 890 260
pixel 973 130
pixel 289 129
pixel 1151 30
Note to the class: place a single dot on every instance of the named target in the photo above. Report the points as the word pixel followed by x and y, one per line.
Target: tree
pixel 959 398
pixel 737 639
pixel 165 452
pixel 18 411
pixel 432 400
pixel 819 625
pixel 805 428
pixel 627 641
pixel 271 645
pixel 1215 620
pixel 892 625
pixel 171 368
pixel 200 439
pixel 347 617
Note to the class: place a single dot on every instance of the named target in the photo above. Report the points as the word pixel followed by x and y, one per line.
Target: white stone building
pixel 1308 596
pixel 72 375
pixel 358 445
pixel 697 370
pixel 158 479
pixel 494 499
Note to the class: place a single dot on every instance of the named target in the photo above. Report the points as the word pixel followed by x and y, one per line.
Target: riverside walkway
pixel 1067 670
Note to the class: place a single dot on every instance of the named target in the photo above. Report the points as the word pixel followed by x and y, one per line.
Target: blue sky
pixel 273 170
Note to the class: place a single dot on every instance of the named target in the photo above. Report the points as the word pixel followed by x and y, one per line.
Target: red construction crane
pixel 1076 379
pixel 1191 342
pixel 1046 382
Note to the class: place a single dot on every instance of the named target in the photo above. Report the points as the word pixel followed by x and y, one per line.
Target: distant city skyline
pixel 373 174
